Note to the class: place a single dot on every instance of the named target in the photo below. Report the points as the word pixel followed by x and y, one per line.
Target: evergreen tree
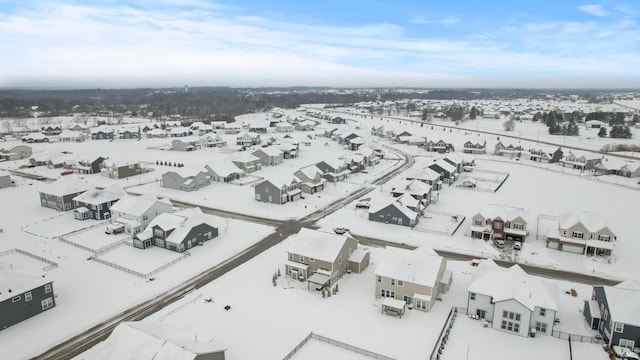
pixel 602 132
pixel 573 129
pixel 537 116
pixel 473 113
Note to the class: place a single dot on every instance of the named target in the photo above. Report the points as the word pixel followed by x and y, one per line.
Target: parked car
pixel 517 245
pixel 114 229
pixel 340 230
pixel 362 205
pixel 498 243
pixel 66 172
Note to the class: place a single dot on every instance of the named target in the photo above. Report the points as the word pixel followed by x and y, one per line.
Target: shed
pixel 358 261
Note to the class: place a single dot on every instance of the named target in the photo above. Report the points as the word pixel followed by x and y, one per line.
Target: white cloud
pixel 450 20
pixel 595 10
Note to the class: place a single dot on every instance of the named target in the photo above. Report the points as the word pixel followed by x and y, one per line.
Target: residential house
pixel 59 195
pixel 306 125
pixel 152 339
pixel 474 148
pixel 417 277
pixel 129 133
pixel 71 136
pixel 87 164
pixel 178 231
pixel 439 146
pixel 101 133
pixel 415 188
pixel 511 300
pixel 5 179
pixel 426 175
pixel 259 126
pixel 16 152
pixel 23 296
pixel 631 170
pixel 608 167
pixel 269 156
pixel 447 171
pixel 51 130
pixel 212 140
pixel 581 162
pixel 499 222
pixel 582 232
pixel 189 143
pixel 337 120
pixel 232 128
pixel 247 162
pixel 180 131
pixel 58 160
pixel 371 156
pixel 278 191
pixel 311 180
pixel 218 125
pixel 613 312
pixel 201 128
pixel 413 140
pixel 541 155
pixel 355 143
pixel 333 170
pixel 224 171
pixel 511 151
pixel 35 138
pixel 284 127
pixel 355 162
pixel 390 210
pixel 136 212
pixel 156 133
pixel 120 169
pixel 320 258
pixel 454 160
pixel 247 139
pixel 377 130
pixel 96 204
pixel 150 126
pixel 289 150
pixel 186 179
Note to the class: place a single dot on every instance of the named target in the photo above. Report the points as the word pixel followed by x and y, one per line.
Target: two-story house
pixel 23 296
pixel 613 311
pixel 178 231
pixel 87 164
pixel 448 172
pixel 417 277
pixel 311 180
pixel 120 169
pixel 499 222
pixel 511 151
pixel 224 171
pixel 269 156
pixel 212 140
pixel 426 175
pixel 186 179
pixel 278 191
pixel 245 161
pixel 390 210
pixel 417 189
pixel 101 133
pixel 189 143
pixel 541 155
pixel 583 162
pixel 333 170
pixel 136 212
pixel 16 152
pixel 96 204
pixel 247 139
pixel 511 300
pixel 59 195
pixel 474 148
pixel 322 258
pixel 582 232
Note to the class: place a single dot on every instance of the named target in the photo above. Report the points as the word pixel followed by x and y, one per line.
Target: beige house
pixel 322 258
pixel 582 232
pixel 499 222
pixel 417 277
pixel 15 152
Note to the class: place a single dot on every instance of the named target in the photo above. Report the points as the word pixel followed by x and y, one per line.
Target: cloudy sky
pixel 166 43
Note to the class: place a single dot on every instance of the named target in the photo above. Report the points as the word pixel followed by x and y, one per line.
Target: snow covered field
pixel 259 310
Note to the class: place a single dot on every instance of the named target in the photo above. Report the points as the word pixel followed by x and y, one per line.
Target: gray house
pixel 334 169
pixel 5 179
pixel 311 180
pixel 278 191
pixel 23 296
pixel 245 161
pixel 59 194
pixel 177 231
pixel 88 164
pixel 613 312
pixel 390 210
pixel 120 169
pixel 269 156
pixel 186 179
pixel 224 171
pixel 96 203
pixel 190 143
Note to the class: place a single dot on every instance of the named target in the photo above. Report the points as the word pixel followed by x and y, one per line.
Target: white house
pixel 136 212
pixel 511 300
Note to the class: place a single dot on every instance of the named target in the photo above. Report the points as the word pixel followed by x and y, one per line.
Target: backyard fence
pixel 575 337
pixel 438 348
pixel 50 264
pixel 337 343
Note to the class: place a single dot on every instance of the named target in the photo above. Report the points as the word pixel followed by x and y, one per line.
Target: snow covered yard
pixel 13 260
pixel 95 237
pixel 141 261
pixel 438 222
pixel 56 223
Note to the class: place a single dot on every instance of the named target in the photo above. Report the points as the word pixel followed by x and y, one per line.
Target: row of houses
pixel 85 164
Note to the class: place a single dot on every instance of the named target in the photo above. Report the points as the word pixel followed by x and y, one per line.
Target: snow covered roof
pixel 270 151
pixel 445 165
pixel 137 205
pixel 590 220
pixel 13 283
pixel 317 244
pixel 415 266
pixel 310 171
pixel 492 211
pixel 623 304
pixel 187 171
pixel 379 203
pixel 181 222
pixel 224 168
pixel 66 185
pixel 282 179
pixel 411 187
pixel 244 157
pixel 149 339
pixel 422 174
pixel 97 197
pixel 4 173
pixel 530 291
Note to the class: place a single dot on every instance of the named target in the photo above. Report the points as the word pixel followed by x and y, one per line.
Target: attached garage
pixel 358 261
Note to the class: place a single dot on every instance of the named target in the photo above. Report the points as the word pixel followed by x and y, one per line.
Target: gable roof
pixel 623 304
pixel 14 283
pixel 317 244
pixel 224 168
pixel 97 197
pixel 137 205
pixel 415 266
pixel 181 222
pixel 66 185
pixel 506 213
pixel 590 220
pixel 422 174
pixel 444 165
pixel 270 151
pixel 530 291
pixel 379 203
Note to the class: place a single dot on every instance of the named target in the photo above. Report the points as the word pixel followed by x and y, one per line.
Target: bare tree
pixel 509 125
pixel 7 127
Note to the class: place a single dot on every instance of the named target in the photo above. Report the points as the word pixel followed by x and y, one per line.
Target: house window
pixel 627 343
pixel 158 232
pixel 604 238
pixel 301 258
pixel 564 232
pixel 543 312
pixel 144 217
pixel 47 303
pixel 511 315
pixel 379 278
pixel 290 256
pixel 47 288
pixel 606 314
pixel 421 304
pixel 541 327
pixel 400 283
pixel 16 298
pixel 393 282
pixel 387 293
pixel 472 296
pixel 617 327
pixel 510 326
pixel 28 296
pixel 478 223
pixel 577 235
pixel 312 259
pixel 288 270
pixel 518 226
pixel 497 225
